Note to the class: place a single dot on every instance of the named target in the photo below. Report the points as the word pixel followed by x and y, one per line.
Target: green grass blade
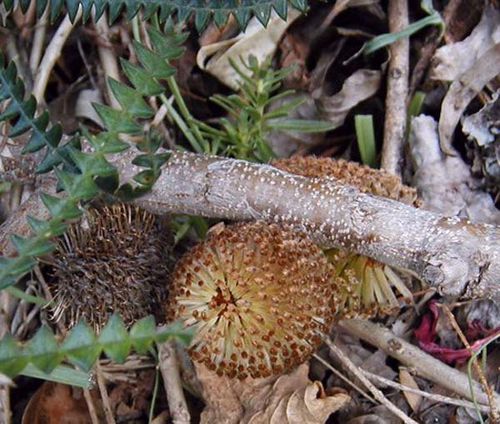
pixel 387 39
pixel 366 139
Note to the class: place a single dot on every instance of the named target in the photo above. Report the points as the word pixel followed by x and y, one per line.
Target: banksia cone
pixel 114 260
pixel 365 286
pixel 258 297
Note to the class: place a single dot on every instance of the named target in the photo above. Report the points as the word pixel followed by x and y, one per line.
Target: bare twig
pixel 344 378
pixel 91 407
pixel 480 374
pixel 423 364
pixel 173 386
pixel 107 57
pixel 369 385
pixel 51 55
pixel 38 41
pixel 451 254
pixel 104 395
pixel 397 89
pixel 5 410
pixel 433 396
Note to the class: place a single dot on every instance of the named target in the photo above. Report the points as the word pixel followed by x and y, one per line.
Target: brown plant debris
pixel 366 285
pixel 289 398
pixel 258 296
pixel 365 179
pixel 115 260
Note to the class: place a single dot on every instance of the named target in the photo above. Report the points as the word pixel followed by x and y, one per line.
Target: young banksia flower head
pixel 258 297
pixel 114 260
pixel 365 286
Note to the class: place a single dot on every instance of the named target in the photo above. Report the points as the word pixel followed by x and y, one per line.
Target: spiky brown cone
pixel 366 286
pixel 115 260
pixel 258 296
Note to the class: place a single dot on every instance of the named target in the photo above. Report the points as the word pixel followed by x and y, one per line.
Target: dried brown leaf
pixel 55 403
pixel 290 398
pixel 413 399
pixel 360 86
pixel 463 90
pixel 451 61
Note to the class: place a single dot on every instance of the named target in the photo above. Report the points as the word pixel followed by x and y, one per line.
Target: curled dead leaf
pixel 55 403
pixel 413 399
pixel 452 60
pixel 255 40
pixel 289 399
pixel 462 91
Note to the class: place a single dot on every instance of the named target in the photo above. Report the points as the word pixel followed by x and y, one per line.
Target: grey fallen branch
pixel 451 254
pixel 420 362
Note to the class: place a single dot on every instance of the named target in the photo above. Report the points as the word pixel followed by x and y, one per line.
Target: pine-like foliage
pixel 82 347
pixel 203 11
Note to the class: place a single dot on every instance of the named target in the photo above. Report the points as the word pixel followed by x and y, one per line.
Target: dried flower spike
pixel 365 286
pixel 115 259
pixel 258 297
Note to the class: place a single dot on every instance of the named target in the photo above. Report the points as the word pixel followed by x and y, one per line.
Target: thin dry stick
pixel 397 90
pixel 422 363
pixel 5 410
pixel 344 378
pixel 487 388
pixel 433 396
pixel 91 407
pixel 169 368
pixel 107 57
pixel 369 385
pixel 104 395
pixel 38 41
pixel 51 55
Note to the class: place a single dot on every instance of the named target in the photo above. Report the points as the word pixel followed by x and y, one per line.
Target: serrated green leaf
pixel 167 46
pixel 155 64
pixel 143 160
pixel 60 207
pixel 31 247
pixel 12 360
pixel 140 79
pixel 81 347
pixel 145 178
pixel 143 333
pixel 43 350
pixel 201 20
pixel 130 99
pixel 116 120
pixel 114 339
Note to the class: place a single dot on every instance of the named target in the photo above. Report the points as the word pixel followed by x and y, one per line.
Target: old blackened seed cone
pixel 365 286
pixel 114 260
pixel 258 297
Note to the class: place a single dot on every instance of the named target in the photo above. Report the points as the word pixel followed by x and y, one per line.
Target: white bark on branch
pixel 451 254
